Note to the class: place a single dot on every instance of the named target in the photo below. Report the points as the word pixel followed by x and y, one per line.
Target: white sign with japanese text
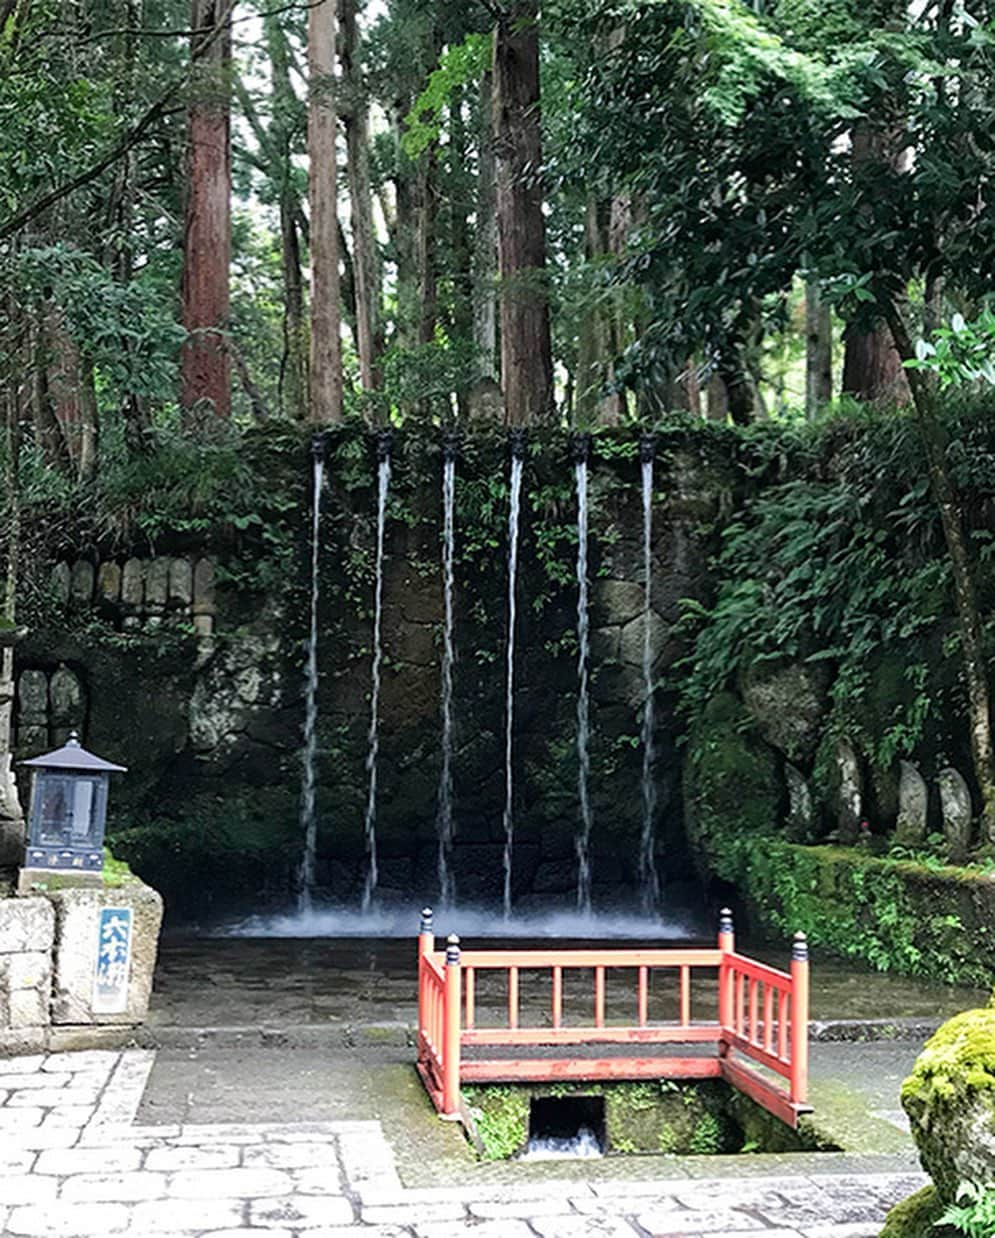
pixel 110 979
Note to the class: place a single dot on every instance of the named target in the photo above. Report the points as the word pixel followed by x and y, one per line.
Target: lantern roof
pixel 72 755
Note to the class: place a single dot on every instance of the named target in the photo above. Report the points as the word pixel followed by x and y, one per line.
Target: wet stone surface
pixel 294 982
pixel 79 1156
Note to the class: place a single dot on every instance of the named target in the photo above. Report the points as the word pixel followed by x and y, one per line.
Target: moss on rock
pixel 916 1217
pixel 658 1116
pixel 733 788
pixel 950 1100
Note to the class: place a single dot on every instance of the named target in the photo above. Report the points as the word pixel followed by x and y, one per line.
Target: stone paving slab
pixel 73 1164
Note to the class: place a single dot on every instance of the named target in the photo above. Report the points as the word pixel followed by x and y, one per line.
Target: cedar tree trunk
pixel 326 343
pixel 526 350
pixel 207 239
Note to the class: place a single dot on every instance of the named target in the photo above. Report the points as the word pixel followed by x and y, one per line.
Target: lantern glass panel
pixel 69 809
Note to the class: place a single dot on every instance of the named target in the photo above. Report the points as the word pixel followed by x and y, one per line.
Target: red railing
pixel 761 1020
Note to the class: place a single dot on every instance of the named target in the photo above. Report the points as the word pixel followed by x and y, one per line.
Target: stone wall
pixel 210 726
pixel 27 939
pixel 48 960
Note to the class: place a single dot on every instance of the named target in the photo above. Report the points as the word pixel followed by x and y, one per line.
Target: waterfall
pixel 649 881
pixel 308 820
pixel 515 502
pixel 383 484
pixel 444 813
pixel 582 448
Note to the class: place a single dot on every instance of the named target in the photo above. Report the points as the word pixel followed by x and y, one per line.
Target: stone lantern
pixel 68 813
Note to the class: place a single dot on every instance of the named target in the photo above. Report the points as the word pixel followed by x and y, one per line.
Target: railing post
pixel 727 944
pixel 426 943
pixel 451 1032
pixel 799 1020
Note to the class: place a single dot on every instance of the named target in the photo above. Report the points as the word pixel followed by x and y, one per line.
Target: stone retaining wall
pixel 49 944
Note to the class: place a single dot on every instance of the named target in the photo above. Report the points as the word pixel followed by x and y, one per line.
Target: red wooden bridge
pixel 754 1034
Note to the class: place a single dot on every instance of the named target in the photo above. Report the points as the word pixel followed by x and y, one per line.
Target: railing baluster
pixel 599 997
pixel 643 997
pixel 470 1003
pixel 782 1024
pixel 768 1017
pixel 754 986
pixel 557 996
pixel 513 997
pixel 739 1003
pixel 685 996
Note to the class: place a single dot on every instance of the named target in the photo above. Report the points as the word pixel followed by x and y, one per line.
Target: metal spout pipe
pixel 580 448
pixel 384 440
pixel 450 445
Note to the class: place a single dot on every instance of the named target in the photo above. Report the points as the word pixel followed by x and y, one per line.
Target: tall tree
pixel 12 379
pixel 526 348
pixel 365 254
pixel 326 319
pixel 485 239
pixel 818 350
pixel 207 241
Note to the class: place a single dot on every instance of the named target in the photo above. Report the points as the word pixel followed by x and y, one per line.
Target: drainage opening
pixel 563 1126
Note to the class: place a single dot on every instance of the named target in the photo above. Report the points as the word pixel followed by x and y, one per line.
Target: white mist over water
pixel 583 705
pixel 515 503
pixel 649 881
pixel 383 485
pixel 444 814
pixel 308 820
pixel 402 921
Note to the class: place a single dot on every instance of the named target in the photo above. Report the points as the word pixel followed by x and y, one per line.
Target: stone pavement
pixel 74 1162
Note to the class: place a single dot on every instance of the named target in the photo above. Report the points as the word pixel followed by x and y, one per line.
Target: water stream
pixel 514 509
pixel 444 812
pixel 582 448
pixel 383 485
pixel 649 881
pixel 308 819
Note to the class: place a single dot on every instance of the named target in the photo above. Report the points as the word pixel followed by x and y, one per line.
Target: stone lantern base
pixel 47 880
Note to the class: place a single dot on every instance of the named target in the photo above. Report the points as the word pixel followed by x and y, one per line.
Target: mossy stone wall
pixel 211 727
pixel 679 1118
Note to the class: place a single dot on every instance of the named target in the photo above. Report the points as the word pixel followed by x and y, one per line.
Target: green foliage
pixel 844 565
pixel 501 1116
pixel 973 1213
pixel 961 353
pixel 459 64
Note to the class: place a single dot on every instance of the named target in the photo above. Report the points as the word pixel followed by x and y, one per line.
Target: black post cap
pixel 725 920
pixel 647 448
pixel 319 445
pixel 799 947
pixel 452 950
pixel 518 440
pixel 426 920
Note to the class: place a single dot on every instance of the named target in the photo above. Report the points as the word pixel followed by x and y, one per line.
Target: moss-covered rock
pixel 788 702
pixel 916 1217
pixel 733 787
pixel 950 1100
